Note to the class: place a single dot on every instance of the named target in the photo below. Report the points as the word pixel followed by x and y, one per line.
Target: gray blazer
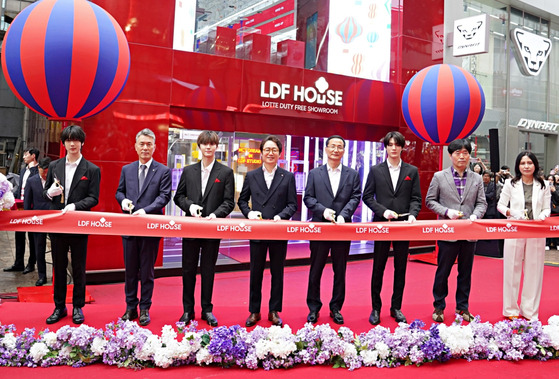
pixel 443 195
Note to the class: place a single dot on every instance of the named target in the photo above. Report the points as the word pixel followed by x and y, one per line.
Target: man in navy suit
pixel 393 193
pixel 333 193
pixel 206 189
pixel 34 199
pixel 72 185
pixel 273 196
pixel 144 188
pixel 30 158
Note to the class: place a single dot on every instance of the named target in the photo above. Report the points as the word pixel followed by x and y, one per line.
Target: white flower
pixel 369 357
pixel 98 346
pixel 553 320
pixel 349 351
pixel 161 357
pixel 65 352
pixel 38 351
pixel 203 356
pixel 9 341
pixel 458 338
pixel 383 350
pixel 168 334
pixel 149 348
pixel 50 339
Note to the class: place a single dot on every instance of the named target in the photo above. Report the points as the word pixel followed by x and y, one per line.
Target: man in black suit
pixel 273 196
pixel 332 194
pixel 34 199
pixel 393 193
pixel 72 185
pixel 144 188
pixel 490 195
pixel 30 158
pixel 206 189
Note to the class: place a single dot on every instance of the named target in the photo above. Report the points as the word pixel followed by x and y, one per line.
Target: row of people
pixel 332 194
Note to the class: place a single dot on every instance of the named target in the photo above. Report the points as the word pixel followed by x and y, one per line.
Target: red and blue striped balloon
pixel 442 103
pixel 65 59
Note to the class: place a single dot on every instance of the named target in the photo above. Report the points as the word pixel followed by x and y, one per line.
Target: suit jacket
pixel 33 196
pixel 84 190
pixel 280 199
pixel 220 190
pixel 380 195
pixel 157 187
pixel 319 196
pixel 512 197
pixel 491 198
pixel 443 194
pixel 33 171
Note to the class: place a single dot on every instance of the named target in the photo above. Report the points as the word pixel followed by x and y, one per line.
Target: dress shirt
pixel 25 177
pixel 206 175
pixel 459 181
pixel 394 173
pixel 334 176
pixel 269 176
pixel 69 176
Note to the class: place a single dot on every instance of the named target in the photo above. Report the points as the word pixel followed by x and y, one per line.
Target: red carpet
pixel 230 307
pixel 44 294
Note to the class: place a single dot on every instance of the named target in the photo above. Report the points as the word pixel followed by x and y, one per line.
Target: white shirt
pixel 394 173
pixel 69 176
pixel 334 175
pixel 25 177
pixel 269 176
pixel 206 175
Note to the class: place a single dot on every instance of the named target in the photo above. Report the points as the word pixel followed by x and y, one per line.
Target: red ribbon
pixel 176 226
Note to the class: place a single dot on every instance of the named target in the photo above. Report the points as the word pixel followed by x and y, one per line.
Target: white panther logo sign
pixel 532 51
pixel 469 31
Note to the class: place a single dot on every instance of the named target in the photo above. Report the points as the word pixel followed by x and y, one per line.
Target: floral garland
pixel 125 344
pixel 6 196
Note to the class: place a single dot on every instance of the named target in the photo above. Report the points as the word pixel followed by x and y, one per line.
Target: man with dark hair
pixel 273 196
pixel 30 157
pixel 455 193
pixel 72 185
pixel 393 193
pixel 333 193
pixel 34 199
pixel 144 188
pixel 206 189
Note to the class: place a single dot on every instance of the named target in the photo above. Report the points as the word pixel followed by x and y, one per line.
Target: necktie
pixel 142 176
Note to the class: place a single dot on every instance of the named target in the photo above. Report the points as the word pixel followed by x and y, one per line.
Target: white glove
pixel 329 214
pixel 411 219
pixel 254 215
pixel 542 216
pixel 212 216
pixel 139 212
pixel 518 214
pixel 195 210
pixel 55 190
pixel 277 218
pixel 127 205
pixel 389 215
pixel 473 217
pixel 453 214
pixel 340 219
pixel 69 208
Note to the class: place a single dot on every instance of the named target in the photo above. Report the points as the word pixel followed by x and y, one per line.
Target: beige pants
pixel 531 252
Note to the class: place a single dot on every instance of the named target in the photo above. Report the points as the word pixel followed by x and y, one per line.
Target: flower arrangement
pixel 125 344
pixel 6 196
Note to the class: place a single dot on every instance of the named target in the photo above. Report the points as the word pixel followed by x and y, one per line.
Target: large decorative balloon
pixel 442 103
pixel 65 59
pixel 349 29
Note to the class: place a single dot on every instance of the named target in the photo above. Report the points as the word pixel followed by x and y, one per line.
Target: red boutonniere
pixel 84 178
pixel 407 178
pixel 217 180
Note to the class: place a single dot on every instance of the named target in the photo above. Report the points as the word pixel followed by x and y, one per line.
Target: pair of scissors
pixel 59 185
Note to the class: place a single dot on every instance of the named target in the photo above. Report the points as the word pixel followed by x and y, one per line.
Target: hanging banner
pixel 188 227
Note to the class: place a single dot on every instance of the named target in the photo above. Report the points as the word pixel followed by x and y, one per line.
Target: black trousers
pixel 39 240
pixel 382 249
pixel 258 252
pixel 448 252
pixel 20 250
pixel 140 254
pixel 207 250
pixel 319 253
pixel 77 245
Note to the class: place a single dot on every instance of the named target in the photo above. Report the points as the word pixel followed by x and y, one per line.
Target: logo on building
pixel 532 51
pixel 471 35
pixel 544 126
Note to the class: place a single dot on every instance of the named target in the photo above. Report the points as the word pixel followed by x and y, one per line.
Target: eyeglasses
pixel 270 150
pixel 336 147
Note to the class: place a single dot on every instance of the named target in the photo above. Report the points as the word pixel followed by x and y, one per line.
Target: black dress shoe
pixel 129 315
pixel 57 315
pixel 312 317
pixel 252 319
pixel 187 317
pixel 13 268
pixel 28 269
pixel 144 317
pixel 398 315
pixel 41 282
pixel 374 318
pixel 77 316
pixel 210 318
pixel 337 316
pixel 275 318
